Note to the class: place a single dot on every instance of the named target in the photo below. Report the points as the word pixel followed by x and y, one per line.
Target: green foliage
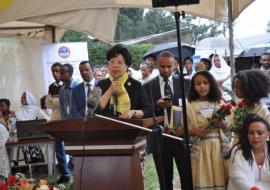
pixel 97 49
pixel 73 36
pixel 133 23
pixel 137 52
pixel 201 31
pixel 97 52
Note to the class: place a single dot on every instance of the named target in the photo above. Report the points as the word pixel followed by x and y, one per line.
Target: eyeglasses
pixel 116 62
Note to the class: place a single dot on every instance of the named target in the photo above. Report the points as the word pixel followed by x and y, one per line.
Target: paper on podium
pixel 176 117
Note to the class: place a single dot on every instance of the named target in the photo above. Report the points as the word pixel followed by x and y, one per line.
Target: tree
pixel 268 27
pixel 97 49
pixel 201 31
pixel 133 23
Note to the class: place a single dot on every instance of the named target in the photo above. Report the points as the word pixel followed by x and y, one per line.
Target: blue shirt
pixel 65 98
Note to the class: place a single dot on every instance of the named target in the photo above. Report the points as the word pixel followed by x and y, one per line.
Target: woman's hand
pixel 220 123
pixel 137 114
pixel 114 86
pixel 179 131
pixel 128 115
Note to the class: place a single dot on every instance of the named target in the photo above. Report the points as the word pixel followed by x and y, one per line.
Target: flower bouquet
pixel 240 112
pixel 19 182
pixel 219 115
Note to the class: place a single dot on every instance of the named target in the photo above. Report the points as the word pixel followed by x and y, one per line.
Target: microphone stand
pixel 183 97
pixel 136 126
pixel 154 141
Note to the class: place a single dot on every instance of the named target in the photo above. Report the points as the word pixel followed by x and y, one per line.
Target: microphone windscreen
pixel 93 99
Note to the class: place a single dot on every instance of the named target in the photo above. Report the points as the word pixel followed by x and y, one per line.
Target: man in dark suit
pixel 81 92
pixel 166 91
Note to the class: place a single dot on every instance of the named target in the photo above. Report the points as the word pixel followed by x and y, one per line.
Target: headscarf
pixel 30 111
pixel 222 73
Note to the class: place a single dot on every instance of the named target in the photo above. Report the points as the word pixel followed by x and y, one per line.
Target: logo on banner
pixel 64 52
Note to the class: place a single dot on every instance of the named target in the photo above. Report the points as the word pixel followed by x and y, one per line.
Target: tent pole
pixel 53 34
pixel 231 44
pixel 183 97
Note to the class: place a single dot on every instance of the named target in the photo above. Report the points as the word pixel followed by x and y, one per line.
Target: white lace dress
pixel 4 163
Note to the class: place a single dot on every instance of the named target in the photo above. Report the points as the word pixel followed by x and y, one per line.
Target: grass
pixel 151 178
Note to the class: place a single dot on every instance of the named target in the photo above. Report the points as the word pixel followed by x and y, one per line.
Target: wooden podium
pixel 105 153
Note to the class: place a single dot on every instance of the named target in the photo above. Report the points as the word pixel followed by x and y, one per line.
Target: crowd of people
pixel 226 153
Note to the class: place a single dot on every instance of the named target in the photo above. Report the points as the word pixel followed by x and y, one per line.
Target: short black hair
pixel 165 54
pixel 214 92
pixel 56 64
pixel 119 50
pixel 254 80
pixel 150 55
pixel 206 62
pixel 188 58
pixel 5 100
pixel 265 53
pixel 86 62
pixel 70 68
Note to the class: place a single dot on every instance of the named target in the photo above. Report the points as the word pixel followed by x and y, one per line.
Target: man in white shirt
pixel 145 69
pixel 265 61
pixel 165 91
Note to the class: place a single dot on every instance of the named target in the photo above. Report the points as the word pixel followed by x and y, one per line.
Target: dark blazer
pixel 137 96
pixel 169 148
pixel 79 101
pixel 155 88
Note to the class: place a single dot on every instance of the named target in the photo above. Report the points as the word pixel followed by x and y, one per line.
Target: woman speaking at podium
pixel 122 96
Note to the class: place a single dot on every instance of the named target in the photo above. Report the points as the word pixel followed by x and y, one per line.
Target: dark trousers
pixel 171 149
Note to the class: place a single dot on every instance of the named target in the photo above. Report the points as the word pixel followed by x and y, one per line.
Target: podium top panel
pixel 97 131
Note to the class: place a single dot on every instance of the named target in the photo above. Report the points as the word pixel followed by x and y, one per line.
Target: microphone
pixel 93 100
pixel 116 93
pixel 115 97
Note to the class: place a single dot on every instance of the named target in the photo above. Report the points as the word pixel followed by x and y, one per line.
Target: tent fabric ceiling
pixel 99 18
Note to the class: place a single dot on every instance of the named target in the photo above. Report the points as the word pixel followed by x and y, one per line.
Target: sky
pixel 253 20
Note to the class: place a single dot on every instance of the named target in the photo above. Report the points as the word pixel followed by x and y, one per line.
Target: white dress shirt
pixel 162 84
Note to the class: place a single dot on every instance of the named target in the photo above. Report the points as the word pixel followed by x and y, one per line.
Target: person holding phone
pixel 165 91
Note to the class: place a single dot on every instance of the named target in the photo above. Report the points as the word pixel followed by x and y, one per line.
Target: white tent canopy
pixel 21 65
pixel 99 18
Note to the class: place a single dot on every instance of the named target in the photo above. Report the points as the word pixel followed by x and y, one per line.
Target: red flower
pixel 254 188
pixel 51 187
pixel 228 107
pixel 242 104
pixel 228 112
pixel 11 180
pixel 23 181
pixel 3 186
pixel 233 103
pixel 223 107
pixel 166 129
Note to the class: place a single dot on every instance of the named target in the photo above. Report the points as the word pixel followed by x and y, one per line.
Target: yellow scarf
pixel 123 101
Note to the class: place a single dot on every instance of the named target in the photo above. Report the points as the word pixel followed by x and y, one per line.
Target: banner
pixel 72 53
